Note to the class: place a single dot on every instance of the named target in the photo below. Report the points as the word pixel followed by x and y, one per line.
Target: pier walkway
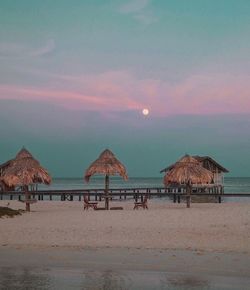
pixel 174 193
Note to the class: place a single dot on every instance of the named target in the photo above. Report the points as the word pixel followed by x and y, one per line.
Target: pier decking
pixel 175 193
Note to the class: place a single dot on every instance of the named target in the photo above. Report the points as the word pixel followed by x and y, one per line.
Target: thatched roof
pixel 106 164
pixel 25 170
pixel 188 170
pixel 204 160
pixel 23 153
pixel 3 166
pixel 209 163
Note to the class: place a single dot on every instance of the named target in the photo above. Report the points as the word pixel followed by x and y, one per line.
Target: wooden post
pixel 106 191
pixel 27 197
pixel 189 189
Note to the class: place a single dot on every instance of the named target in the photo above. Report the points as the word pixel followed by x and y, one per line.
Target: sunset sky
pixel 76 75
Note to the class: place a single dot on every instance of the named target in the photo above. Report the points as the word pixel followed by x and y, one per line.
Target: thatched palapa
pixel 210 164
pixel 106 164
pixel 23 171
pixel 188 171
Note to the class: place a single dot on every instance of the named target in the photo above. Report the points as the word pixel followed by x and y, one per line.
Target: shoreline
pixel 112 268
pixel 128 259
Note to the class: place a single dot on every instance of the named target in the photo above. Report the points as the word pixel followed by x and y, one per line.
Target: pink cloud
pixel 122 91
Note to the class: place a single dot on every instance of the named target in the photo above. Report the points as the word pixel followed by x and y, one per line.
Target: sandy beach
pixel 206 227
pixel 59 246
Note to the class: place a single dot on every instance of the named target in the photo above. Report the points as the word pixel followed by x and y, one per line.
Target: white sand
pixel 212 227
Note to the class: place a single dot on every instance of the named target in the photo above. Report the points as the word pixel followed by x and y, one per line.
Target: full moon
pixel 145 112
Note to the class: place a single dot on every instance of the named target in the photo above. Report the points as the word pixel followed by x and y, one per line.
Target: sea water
pixel 231 184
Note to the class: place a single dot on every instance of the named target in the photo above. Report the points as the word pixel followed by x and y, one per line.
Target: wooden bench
pixel 89 204
pixel 143 204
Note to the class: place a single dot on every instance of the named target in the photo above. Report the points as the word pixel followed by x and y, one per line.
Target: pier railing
pixel 174 193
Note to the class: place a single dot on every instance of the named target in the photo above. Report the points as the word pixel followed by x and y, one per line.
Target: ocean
pixel 232 184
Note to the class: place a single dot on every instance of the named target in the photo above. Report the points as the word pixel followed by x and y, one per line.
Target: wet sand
pixel 116 268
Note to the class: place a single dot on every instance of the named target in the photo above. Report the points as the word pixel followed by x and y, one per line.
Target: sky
pixel 76 75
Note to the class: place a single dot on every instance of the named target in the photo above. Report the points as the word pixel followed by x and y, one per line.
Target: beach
pixel 209 227
pixel 206 245
pixel 121 268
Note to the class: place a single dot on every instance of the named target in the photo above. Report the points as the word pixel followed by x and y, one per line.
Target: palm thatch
pixel 206 161
pixel 106 164
pixel 25 170
pixel 3 166
pixel 188 170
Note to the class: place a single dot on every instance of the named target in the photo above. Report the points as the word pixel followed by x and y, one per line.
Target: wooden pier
pixel 175 194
